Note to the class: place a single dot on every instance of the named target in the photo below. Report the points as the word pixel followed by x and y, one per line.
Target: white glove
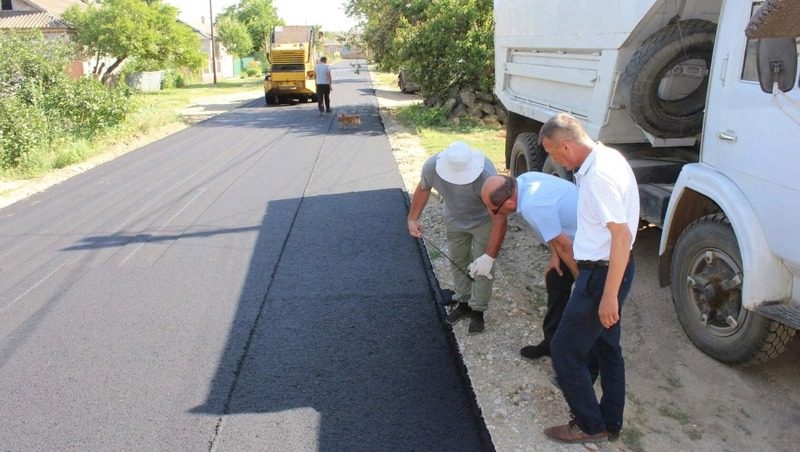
pixel 482 266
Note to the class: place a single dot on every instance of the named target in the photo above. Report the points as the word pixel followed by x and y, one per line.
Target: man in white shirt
pixel 324 81
pixel 608 217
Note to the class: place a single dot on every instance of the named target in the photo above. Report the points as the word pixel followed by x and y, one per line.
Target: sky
pixel 328 13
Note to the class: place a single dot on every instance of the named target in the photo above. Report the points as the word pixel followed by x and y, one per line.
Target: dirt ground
pixel 678 399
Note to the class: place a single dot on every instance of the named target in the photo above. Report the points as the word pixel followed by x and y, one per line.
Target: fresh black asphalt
pixel 245 284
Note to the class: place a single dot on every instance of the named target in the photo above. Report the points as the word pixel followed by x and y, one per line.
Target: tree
pixel 234 36
pixel 380 21
pixel 259 16
pixel 353 39
pixel 440 43
pixel 146 30
pixel 456 37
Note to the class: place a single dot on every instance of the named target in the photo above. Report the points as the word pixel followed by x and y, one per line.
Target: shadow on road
pixel 337 336
pixel 345 332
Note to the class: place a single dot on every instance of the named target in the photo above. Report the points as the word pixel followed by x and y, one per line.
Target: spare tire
pixel 665 82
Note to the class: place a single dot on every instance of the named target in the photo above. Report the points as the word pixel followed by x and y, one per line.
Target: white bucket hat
pixel 459 164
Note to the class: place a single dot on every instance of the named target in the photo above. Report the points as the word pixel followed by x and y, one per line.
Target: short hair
pixel 324 59
pixel 504 191
pixel 561 127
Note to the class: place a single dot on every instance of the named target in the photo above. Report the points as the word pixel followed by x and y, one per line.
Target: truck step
pixel 655 171
pixel 788 314
pixel 653 201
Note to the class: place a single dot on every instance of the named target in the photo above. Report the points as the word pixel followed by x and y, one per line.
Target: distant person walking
pixel 324 81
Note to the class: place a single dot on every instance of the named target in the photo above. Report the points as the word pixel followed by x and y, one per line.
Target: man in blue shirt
pixel 549 205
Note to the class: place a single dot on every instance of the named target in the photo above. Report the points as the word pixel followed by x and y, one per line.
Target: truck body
pixel 679 89
pixel 292 54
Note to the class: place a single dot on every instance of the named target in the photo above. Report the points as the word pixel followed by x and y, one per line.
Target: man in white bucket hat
pixel 457 174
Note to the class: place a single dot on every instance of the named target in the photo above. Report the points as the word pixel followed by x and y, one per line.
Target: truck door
pixel 753 137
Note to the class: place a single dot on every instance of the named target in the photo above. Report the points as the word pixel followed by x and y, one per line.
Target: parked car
pixel 406 84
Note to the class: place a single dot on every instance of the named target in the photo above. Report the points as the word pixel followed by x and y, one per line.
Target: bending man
pixel 457 174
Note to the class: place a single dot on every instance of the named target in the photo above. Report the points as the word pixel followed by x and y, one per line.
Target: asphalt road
pixel 244 284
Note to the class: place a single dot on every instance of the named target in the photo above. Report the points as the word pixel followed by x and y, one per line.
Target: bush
pixel 41 108
pixel 173 79
pixel 86 106
pixel 30 64
pixel 252 72
pixel 24 132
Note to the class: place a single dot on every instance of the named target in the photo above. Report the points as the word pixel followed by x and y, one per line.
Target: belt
pixel 591 265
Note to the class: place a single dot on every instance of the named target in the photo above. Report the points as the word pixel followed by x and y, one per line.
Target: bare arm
pixel 618 259
pixel 561 246
pixel 418 202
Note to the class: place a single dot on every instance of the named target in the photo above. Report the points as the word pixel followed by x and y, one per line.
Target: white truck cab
pixel 710 122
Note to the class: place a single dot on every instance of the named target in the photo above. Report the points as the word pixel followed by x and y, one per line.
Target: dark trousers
pixel 559 288
pixel 579 337
pixel 324 95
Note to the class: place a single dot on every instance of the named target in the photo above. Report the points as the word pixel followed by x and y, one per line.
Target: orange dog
pixel 349 120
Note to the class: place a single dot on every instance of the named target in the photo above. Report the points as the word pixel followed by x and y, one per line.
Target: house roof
pixel 25 20
pixel 775 19
pixel 55 7
pixel 46 14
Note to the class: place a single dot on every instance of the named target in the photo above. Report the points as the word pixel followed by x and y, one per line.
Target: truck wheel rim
pixel 714 284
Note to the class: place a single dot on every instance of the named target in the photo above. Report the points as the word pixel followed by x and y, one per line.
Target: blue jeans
pixel 579 336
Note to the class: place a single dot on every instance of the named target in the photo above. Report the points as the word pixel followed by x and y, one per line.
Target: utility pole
pixel 213 44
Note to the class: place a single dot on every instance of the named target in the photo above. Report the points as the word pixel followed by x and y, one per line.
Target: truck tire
pixel 659 55
pixel 554 169
pixel 526 155
pixel 706 291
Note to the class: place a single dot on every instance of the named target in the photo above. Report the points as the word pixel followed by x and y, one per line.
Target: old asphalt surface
pixel 244 284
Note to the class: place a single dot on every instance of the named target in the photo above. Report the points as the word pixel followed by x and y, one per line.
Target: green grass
pixel 436 132
pixel 168 100
pixel 384 78
pixel 671 411
pixel 482 138
pixel 632 437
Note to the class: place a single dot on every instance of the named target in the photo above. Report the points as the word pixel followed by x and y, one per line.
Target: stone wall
pixel 460 103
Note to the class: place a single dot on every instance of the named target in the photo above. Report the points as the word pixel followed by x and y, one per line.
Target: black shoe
pixel 475 322
pixel 613 436
pixel 447 297
pixel 458 313
pixel 329 110
pixel 534 352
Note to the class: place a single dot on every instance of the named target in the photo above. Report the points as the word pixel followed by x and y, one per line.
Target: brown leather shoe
pixel 571 433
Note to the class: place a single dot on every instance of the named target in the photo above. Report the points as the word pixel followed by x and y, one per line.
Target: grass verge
pixel 151 111
pixel 436 132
